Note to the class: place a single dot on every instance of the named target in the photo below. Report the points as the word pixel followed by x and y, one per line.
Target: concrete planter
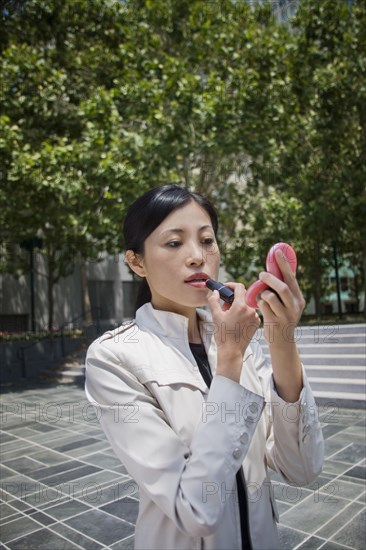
pixel 27 359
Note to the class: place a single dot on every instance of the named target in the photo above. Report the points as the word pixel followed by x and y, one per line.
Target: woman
pixel 185 395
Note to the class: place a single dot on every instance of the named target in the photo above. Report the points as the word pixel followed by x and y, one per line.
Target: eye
pixel 174 244
pixel 208 241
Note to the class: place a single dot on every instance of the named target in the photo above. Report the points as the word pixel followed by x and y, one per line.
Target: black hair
pixel 148 212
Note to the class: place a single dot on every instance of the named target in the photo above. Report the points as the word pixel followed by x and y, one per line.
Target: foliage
pixel 315 192
pixel 104 99
pixel 65 147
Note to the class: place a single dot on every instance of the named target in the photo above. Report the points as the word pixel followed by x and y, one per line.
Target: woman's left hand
pixel 281 313
pixel 283 308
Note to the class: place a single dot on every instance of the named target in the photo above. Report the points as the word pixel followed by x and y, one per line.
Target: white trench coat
pixel 183 443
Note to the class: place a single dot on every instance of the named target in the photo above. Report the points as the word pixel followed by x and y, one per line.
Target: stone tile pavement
pixel 63 488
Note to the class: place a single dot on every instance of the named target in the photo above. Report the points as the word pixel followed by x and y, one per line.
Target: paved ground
pixel 63 488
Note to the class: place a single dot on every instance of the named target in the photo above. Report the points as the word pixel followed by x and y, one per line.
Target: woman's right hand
pixel 234 326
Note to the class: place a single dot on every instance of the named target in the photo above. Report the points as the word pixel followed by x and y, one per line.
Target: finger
pixel 239 291
pixel 283 290
pixel 214 303
pixel 265 308
pixel 289 276
pixel 272 302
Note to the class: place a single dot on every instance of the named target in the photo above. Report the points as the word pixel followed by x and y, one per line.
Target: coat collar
pixel 173 327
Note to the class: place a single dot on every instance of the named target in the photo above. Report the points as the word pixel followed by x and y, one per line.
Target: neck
pixel 194 336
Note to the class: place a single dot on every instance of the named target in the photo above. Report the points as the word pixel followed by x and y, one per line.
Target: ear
pixel 135 262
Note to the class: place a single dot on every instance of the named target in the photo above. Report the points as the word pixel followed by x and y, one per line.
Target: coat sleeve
pixel 186 483
pixel 295 445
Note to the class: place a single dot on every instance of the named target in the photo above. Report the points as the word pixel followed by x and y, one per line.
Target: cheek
pixel 166 267
pixel 213 258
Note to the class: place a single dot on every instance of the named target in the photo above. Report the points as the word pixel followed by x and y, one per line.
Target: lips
pixel 197 277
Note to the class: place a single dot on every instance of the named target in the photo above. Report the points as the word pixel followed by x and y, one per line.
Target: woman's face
pixel 182 245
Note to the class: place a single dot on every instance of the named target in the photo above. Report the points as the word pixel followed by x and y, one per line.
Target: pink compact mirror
pixel 272 267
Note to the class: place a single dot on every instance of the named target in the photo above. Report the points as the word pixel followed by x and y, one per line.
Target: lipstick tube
pixel 225 292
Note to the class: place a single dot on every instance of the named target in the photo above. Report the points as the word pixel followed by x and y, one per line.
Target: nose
pixel 195 254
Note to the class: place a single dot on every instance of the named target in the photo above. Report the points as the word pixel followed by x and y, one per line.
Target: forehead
pixel 190 217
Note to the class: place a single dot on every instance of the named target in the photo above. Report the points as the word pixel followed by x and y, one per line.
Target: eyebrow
pixel 179 230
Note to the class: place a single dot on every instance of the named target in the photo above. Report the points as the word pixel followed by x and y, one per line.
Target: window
pixel 130 290
pixel 327 309
pixel 102 299
pixel 14 322
pixel 344 283
pixel 351 307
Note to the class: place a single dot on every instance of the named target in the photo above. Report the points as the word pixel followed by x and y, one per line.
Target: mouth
pixel 197 280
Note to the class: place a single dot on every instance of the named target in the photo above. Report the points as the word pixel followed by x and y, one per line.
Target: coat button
pixel 236 453
pixel 253 407
pixel 244 438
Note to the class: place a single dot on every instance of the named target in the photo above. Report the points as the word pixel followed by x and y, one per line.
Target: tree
pixel 317 160
pixel 66 149
pixel 105 99
pixel 326 162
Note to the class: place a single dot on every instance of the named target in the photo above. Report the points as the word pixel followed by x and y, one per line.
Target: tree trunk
pixel 88 317
pixel 317 281
pixel 362 115
pixel 50 283
pixel 364 277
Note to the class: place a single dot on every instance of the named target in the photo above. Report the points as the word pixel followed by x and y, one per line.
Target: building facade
pixel 113 290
